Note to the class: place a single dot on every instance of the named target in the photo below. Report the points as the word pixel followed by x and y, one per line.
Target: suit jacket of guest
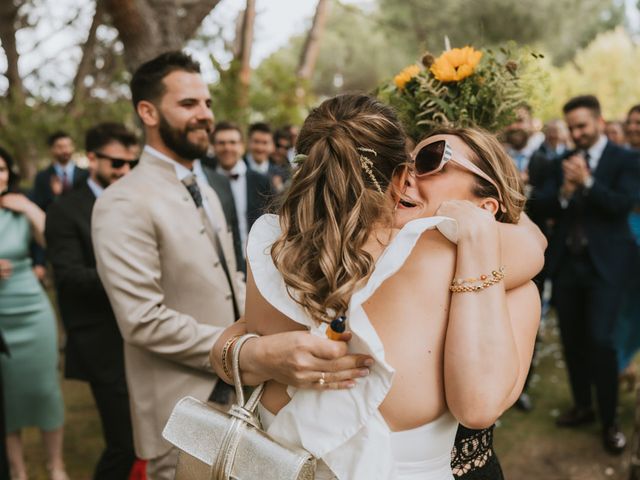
pixel 42 195
pixel 273 170
pixel 259 194
pixel 222 187
pixel 167 288
pixel 605 216
pixel 94 350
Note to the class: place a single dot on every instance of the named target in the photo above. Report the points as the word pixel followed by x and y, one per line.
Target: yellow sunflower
pixel 456 64
pixel 405 76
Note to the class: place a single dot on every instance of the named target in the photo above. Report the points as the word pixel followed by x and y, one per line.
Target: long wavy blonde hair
pixel 335 201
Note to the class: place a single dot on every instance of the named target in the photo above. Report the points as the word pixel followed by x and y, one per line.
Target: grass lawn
pixel 528 444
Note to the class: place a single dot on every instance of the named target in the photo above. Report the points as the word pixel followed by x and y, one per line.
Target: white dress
pixel 344 428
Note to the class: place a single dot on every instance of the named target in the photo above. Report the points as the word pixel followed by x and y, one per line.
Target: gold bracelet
pixel 225 355
pixel 477 284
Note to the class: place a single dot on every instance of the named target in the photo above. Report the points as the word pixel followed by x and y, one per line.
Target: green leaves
pixel 488 98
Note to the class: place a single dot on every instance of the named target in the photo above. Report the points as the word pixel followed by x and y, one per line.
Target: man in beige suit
pixel 165 255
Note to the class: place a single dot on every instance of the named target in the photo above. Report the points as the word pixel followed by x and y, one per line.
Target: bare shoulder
pixel 433 249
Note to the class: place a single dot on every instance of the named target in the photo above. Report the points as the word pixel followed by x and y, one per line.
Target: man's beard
pixel 178 142
pixel 103 180
pixel 62 158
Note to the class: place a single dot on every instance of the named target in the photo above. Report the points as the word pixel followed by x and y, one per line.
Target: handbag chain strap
pixel 243 415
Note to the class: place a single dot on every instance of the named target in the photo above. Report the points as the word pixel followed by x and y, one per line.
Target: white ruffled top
pixel 342 427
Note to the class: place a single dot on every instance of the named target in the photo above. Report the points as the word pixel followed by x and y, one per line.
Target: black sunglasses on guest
pixel 117 162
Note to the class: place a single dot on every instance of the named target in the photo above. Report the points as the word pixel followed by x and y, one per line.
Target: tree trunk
pixel 85 66
pixel 8 19
pixel 148 28
pixel 312 44
pixel 244 53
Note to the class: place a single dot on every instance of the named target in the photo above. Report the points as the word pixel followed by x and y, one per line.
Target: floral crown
pixel 463 87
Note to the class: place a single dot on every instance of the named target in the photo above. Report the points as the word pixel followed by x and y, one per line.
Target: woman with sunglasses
pixel 470 164
pixel 333 251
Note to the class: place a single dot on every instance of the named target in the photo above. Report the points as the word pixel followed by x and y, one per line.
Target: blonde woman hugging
pixel 425 256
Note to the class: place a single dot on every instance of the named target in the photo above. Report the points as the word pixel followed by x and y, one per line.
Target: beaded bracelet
pixel 477 284
pixel 225 355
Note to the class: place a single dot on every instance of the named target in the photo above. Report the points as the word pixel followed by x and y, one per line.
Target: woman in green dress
pixel 31 388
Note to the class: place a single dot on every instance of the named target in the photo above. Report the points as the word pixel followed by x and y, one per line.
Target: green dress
pixel 32 394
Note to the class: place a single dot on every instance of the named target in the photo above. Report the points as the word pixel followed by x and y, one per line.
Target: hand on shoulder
pixel 16 202
pixel 473 221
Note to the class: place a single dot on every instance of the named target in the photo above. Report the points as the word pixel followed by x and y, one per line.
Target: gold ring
pixel 322 380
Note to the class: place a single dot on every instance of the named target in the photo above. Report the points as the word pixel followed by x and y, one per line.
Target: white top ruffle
pixel 342 427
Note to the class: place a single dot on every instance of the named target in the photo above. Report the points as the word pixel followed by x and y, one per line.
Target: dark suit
pixel 94 349
pixel 220 183
pixel 42 195
pixel 284 172
pixel 589 277
pixel 259 194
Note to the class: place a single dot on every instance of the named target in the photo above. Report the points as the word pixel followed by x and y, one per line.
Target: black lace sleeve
pixel 473 458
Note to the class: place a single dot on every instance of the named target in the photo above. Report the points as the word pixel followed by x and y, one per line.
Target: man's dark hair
pixel 55 136
pixel 282 133
pixel 221 126
pixel 105 133
pixel 14 178
pixel 634 109
pixel 146 83
pixel 583 101
pixel 259 127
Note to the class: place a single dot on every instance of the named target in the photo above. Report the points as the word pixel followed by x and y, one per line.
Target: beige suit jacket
pixel 167 288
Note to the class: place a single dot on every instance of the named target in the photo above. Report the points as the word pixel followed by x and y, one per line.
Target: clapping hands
pixel 576 173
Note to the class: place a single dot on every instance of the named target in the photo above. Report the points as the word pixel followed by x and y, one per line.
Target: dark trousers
pixel 112 400
pixel 587 309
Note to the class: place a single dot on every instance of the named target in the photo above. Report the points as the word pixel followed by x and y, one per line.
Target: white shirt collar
pixel 68 168
pixel 258 167
pixel 240 169
pixel 182 172
pixel 95 188
pixel 595 152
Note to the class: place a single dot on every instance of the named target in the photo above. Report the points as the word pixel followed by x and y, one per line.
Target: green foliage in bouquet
pixel 465 87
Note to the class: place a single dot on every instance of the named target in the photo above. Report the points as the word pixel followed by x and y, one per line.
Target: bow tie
pixel 233 176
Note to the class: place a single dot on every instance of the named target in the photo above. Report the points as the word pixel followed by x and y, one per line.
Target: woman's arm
pixel 481 362
pixel 522 251
pixel 21 204
pixel 524 311
pixel 284 352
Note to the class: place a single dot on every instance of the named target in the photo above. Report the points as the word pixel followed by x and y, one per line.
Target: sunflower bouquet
pixel 464 87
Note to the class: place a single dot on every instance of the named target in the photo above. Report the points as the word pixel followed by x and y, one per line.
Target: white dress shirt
pixel 262 168
pixel 183 172
pixel 62 170
pixel 240 196
pixel 595 152
pixel 95 188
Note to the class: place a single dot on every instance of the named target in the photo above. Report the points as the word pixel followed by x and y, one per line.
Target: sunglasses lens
pixel 429 157
pixel 117 163
pixel 133 163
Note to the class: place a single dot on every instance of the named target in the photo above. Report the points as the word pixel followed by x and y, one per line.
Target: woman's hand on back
pixel 301 360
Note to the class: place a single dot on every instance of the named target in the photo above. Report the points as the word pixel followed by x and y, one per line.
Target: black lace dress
pixel 473 458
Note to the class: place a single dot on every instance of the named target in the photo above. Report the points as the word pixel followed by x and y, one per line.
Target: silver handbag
pixel 215 445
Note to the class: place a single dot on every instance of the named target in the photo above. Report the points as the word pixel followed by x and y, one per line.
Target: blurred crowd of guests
pixel 582 178
pixel 244 169
pixel 134 277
